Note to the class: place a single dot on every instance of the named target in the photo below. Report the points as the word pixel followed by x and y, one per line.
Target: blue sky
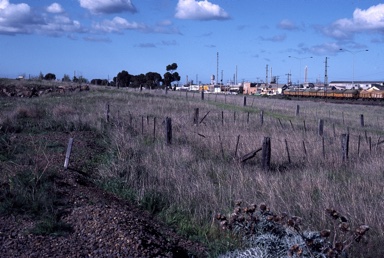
pixel 99 38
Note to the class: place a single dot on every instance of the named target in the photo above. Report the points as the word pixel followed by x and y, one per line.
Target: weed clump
pixel 266 234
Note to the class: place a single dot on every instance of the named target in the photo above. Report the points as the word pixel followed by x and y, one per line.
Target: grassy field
pixel 187 182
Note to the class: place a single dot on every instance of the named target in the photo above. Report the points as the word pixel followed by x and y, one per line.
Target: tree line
pixel 150 80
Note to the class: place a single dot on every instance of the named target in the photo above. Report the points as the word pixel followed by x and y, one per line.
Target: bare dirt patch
pixel 94 223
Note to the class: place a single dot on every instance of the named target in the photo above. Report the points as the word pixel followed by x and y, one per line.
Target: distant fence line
pixel 191 128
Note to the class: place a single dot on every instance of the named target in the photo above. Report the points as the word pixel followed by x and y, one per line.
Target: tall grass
pixel 199 174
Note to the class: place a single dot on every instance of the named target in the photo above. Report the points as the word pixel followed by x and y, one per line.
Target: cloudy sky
pixel 99 38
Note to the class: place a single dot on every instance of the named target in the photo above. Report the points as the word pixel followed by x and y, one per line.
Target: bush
pixel 267 234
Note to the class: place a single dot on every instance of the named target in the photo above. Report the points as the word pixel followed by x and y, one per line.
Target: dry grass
pixel 198 175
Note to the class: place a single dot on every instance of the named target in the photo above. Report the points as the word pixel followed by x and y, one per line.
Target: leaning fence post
pixel 68 154
pixel 168 130
pixel 287 149
pixel 358 146
pixel 266 154
pixel 344 146
pixel 237 145
pixel 304 149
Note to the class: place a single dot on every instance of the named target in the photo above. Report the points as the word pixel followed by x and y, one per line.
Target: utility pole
pixel 288 78
pixel 305 74
pixel 221 77
pixel 236 76
pixel 217 67
pixel 326 74
pixel 353 66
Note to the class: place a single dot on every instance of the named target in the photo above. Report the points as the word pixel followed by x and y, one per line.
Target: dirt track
pixel 101 224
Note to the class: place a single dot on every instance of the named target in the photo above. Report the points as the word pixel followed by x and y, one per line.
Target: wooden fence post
pixel 344 146
pixel 358 146
pixel 287 149
pixel 362 120
pixel 293 128
pixel 245 101
pixel 304 149
pixel 297 110
pixel 266 154
pixel 323 146
pixel 261 117
pixel 68 154
pixel 321 127
pixel 237 145
pixel 281 124
pixel 168 130
pixel 107 113
pixel 222 117
pixel 154 129
pixel 142 124
pixel 196 117
pixel 202 95
pixel 204 117
pixel 305 127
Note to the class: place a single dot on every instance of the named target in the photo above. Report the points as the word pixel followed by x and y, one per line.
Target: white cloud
pixel 4 4
pixel 369 20
pixel 324 49
pixel 108 6
pixel 14 18
pixel 21 19
pixel 287 25
pixel 55 8
pixel 199 10
pixel 118 25
pixel 60 24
